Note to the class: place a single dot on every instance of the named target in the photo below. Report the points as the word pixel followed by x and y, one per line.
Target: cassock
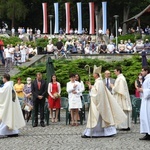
pixel 104 112
pixel 145 106
pixel 121 94
pixel 11 117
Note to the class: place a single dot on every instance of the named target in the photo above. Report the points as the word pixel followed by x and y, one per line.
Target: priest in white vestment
pixel 104 112
pixel 145 105
pixel 11 117
pixel 121 94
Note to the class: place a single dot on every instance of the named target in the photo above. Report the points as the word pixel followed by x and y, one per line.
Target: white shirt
pixel 110 47
pixel 8 53
pixel 50 47
pixel 13 30
pixel 100 31
pixel 30 50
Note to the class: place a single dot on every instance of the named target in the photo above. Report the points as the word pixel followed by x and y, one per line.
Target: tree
pixel 14 9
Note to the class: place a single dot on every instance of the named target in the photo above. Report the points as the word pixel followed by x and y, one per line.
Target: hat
pixel 97 69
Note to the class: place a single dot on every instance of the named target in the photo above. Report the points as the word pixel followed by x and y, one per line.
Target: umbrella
pixel 144 59
pixel 49 69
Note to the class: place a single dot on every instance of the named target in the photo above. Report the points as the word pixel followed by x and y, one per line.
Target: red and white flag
pixel 44 5
pixel 92 18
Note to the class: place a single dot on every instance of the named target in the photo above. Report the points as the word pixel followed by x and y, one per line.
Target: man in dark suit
pixel 108 80
pixel 39 89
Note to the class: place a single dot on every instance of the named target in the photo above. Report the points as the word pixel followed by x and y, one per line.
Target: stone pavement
pixel 58 136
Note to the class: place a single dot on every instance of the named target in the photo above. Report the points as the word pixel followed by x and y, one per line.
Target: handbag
pixel 28 108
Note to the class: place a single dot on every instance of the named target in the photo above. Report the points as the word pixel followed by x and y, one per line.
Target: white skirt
pixel 75 101
pixel 4 130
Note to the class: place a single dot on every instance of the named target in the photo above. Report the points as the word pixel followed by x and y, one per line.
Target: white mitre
pixel 97 70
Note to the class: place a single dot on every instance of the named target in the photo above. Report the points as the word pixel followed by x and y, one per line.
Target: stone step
pixel 2 70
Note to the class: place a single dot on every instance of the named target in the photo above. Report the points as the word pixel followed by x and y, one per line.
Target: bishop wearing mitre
pixel 104 112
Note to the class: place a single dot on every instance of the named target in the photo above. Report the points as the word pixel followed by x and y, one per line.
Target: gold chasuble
pixel 104 105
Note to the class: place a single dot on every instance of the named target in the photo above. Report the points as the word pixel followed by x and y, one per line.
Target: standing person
pixel 54 91
pixel 121 94
pixel 108 80
pixel 28 99
pixel 104 112
pixel 8 58
pixel 77 78
pixel 10 112
pixel 74 91
pixel 145 105
pixel 2 51
pixel 23 53
pixel 39 88
pixel 138 84
pixel 19 90
pixel 13 31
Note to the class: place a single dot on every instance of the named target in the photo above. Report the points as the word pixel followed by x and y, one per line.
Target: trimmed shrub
pixel 131 68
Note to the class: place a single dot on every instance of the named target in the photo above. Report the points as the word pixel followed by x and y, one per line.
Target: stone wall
pixel 105 57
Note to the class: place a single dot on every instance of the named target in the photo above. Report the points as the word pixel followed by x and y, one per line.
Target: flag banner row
pixel 79 13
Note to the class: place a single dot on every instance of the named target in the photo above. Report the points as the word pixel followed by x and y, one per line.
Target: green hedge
pixel 11 40
pixel 131 68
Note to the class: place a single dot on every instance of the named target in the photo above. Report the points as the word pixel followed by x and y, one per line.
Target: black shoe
pixel 42 125
pixel 84 136
pixel 127 129
pixel 146 137
pixel 35 125
pixel 13 135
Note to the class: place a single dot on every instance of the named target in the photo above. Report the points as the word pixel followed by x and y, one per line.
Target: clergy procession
pixel 71 76
pixel 110 109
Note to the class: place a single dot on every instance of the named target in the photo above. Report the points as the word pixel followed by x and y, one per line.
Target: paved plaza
pixel 58 136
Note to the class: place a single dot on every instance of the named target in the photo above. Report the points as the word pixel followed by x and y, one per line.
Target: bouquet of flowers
pixel 56 95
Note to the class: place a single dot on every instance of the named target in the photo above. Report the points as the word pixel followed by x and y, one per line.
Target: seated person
pixel 129 46
pixel 121 47
pixel 31 51
pixel 139 46
pixel 17 56
pixel 78 47
pixel 50 47
pixel 68 45
pixel 103 48
pixel 92 47
pixel 110 48
pixel 87 49
pixel 60 47
pixel 147 46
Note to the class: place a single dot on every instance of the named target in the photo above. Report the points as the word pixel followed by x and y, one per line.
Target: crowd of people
pixel 15 55
pixel 86 45
pixel 110 105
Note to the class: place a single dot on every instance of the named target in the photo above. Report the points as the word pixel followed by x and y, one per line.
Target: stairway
pixel 2 70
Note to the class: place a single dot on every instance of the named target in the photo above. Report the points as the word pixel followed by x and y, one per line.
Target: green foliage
pixel 131 68
pixel 147 37
pixel 42 42
pixel 32 43
pixel 13 9
pixel 126 37
pixel 138 36
pixel 11 40
pixel 55 40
